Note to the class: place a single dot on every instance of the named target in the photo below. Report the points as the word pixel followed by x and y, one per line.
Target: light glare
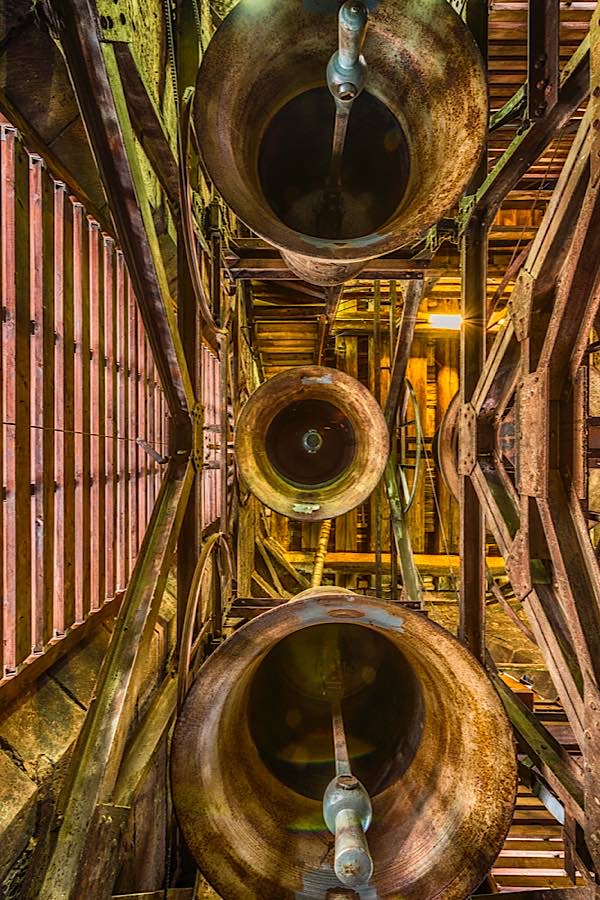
pixel 445 321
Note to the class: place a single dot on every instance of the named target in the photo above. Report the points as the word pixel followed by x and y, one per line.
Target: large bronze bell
pixel 311 443
pixel 428 744
pixel 265 121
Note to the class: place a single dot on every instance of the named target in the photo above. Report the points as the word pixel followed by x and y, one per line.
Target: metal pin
pixel 346 75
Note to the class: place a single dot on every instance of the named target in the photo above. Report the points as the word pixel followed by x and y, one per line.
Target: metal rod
pixel 352 27
pixel 412 299
pixel 346 806
pixel 346 75
pixel 352 861
pixel 342 117
pixel 321 553
pixel 340 745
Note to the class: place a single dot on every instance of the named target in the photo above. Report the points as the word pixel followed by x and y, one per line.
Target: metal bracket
pixel 517 566
pixel 197 417
pixel 519 305
pixel 467 440
pixel 532 434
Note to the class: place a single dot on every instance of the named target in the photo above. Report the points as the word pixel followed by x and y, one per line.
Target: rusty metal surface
pixel 537 518
pixel 543 69
pixel 255 836
pixel 446 446
pixel 239 90
pixel 353 483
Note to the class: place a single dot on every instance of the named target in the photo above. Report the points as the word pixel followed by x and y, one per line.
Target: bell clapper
pixel 346 804
pixel 346 75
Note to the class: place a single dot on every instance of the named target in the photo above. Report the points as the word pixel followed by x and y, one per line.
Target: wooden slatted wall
pixel 78 388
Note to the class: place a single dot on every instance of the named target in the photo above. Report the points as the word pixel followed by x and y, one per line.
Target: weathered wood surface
pixel 427 564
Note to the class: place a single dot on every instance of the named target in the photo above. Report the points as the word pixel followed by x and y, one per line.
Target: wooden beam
pixel 97 85
pixel 275 269
pixel 543 64
pixel 579 893
pixel 472 357
pixel 170 894
pixel 531 142
pixel 557 767
pixel 100 746
pixel 427 564
pixel 148 125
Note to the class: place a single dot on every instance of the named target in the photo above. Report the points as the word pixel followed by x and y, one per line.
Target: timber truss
pixel 522 458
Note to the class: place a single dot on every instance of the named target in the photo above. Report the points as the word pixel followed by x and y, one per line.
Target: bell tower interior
pixel 300 515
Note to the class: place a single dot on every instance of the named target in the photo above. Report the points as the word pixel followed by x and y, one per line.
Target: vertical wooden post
pixel 124 556
pixel 109 413
pixel 447 386
pixel 245 545
pixel 64 413
pixel 472 524
pixel 417 375
pixel 97 420
pixel 16 401
pixel 42 393
pixel 474 252
pixel 346 349
pixel 188 546
pixel 376 499
pixel 81 314
pixel 134 471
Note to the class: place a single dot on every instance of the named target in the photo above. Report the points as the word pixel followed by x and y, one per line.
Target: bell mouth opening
pixel 289 708
pixel 294 164
pixel 310 443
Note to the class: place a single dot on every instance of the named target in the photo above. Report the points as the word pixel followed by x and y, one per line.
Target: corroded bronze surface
pixel 264 118
pixel 249 754
pixel 311 443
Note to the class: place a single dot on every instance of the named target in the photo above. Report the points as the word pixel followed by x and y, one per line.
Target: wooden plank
pixel 346 349
pixel 134 472
pixel 123 554
pixel 49 193
pixel 171 894
pixel 15 686
pixel 96 759
pixel 97 83
pixel 447 385
pixel 544 881
pixel 6 181
pixel 568 893
pixel 150 428
pixel 427 564
pixel 417 375
pixel 64 413
pixel 110 412
pixel 16 402
pixel 141 432
pixel 140 755
pixel 97 421
pixel 42 397
pixel 160 426
pixel 81 318
pixel 36 313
